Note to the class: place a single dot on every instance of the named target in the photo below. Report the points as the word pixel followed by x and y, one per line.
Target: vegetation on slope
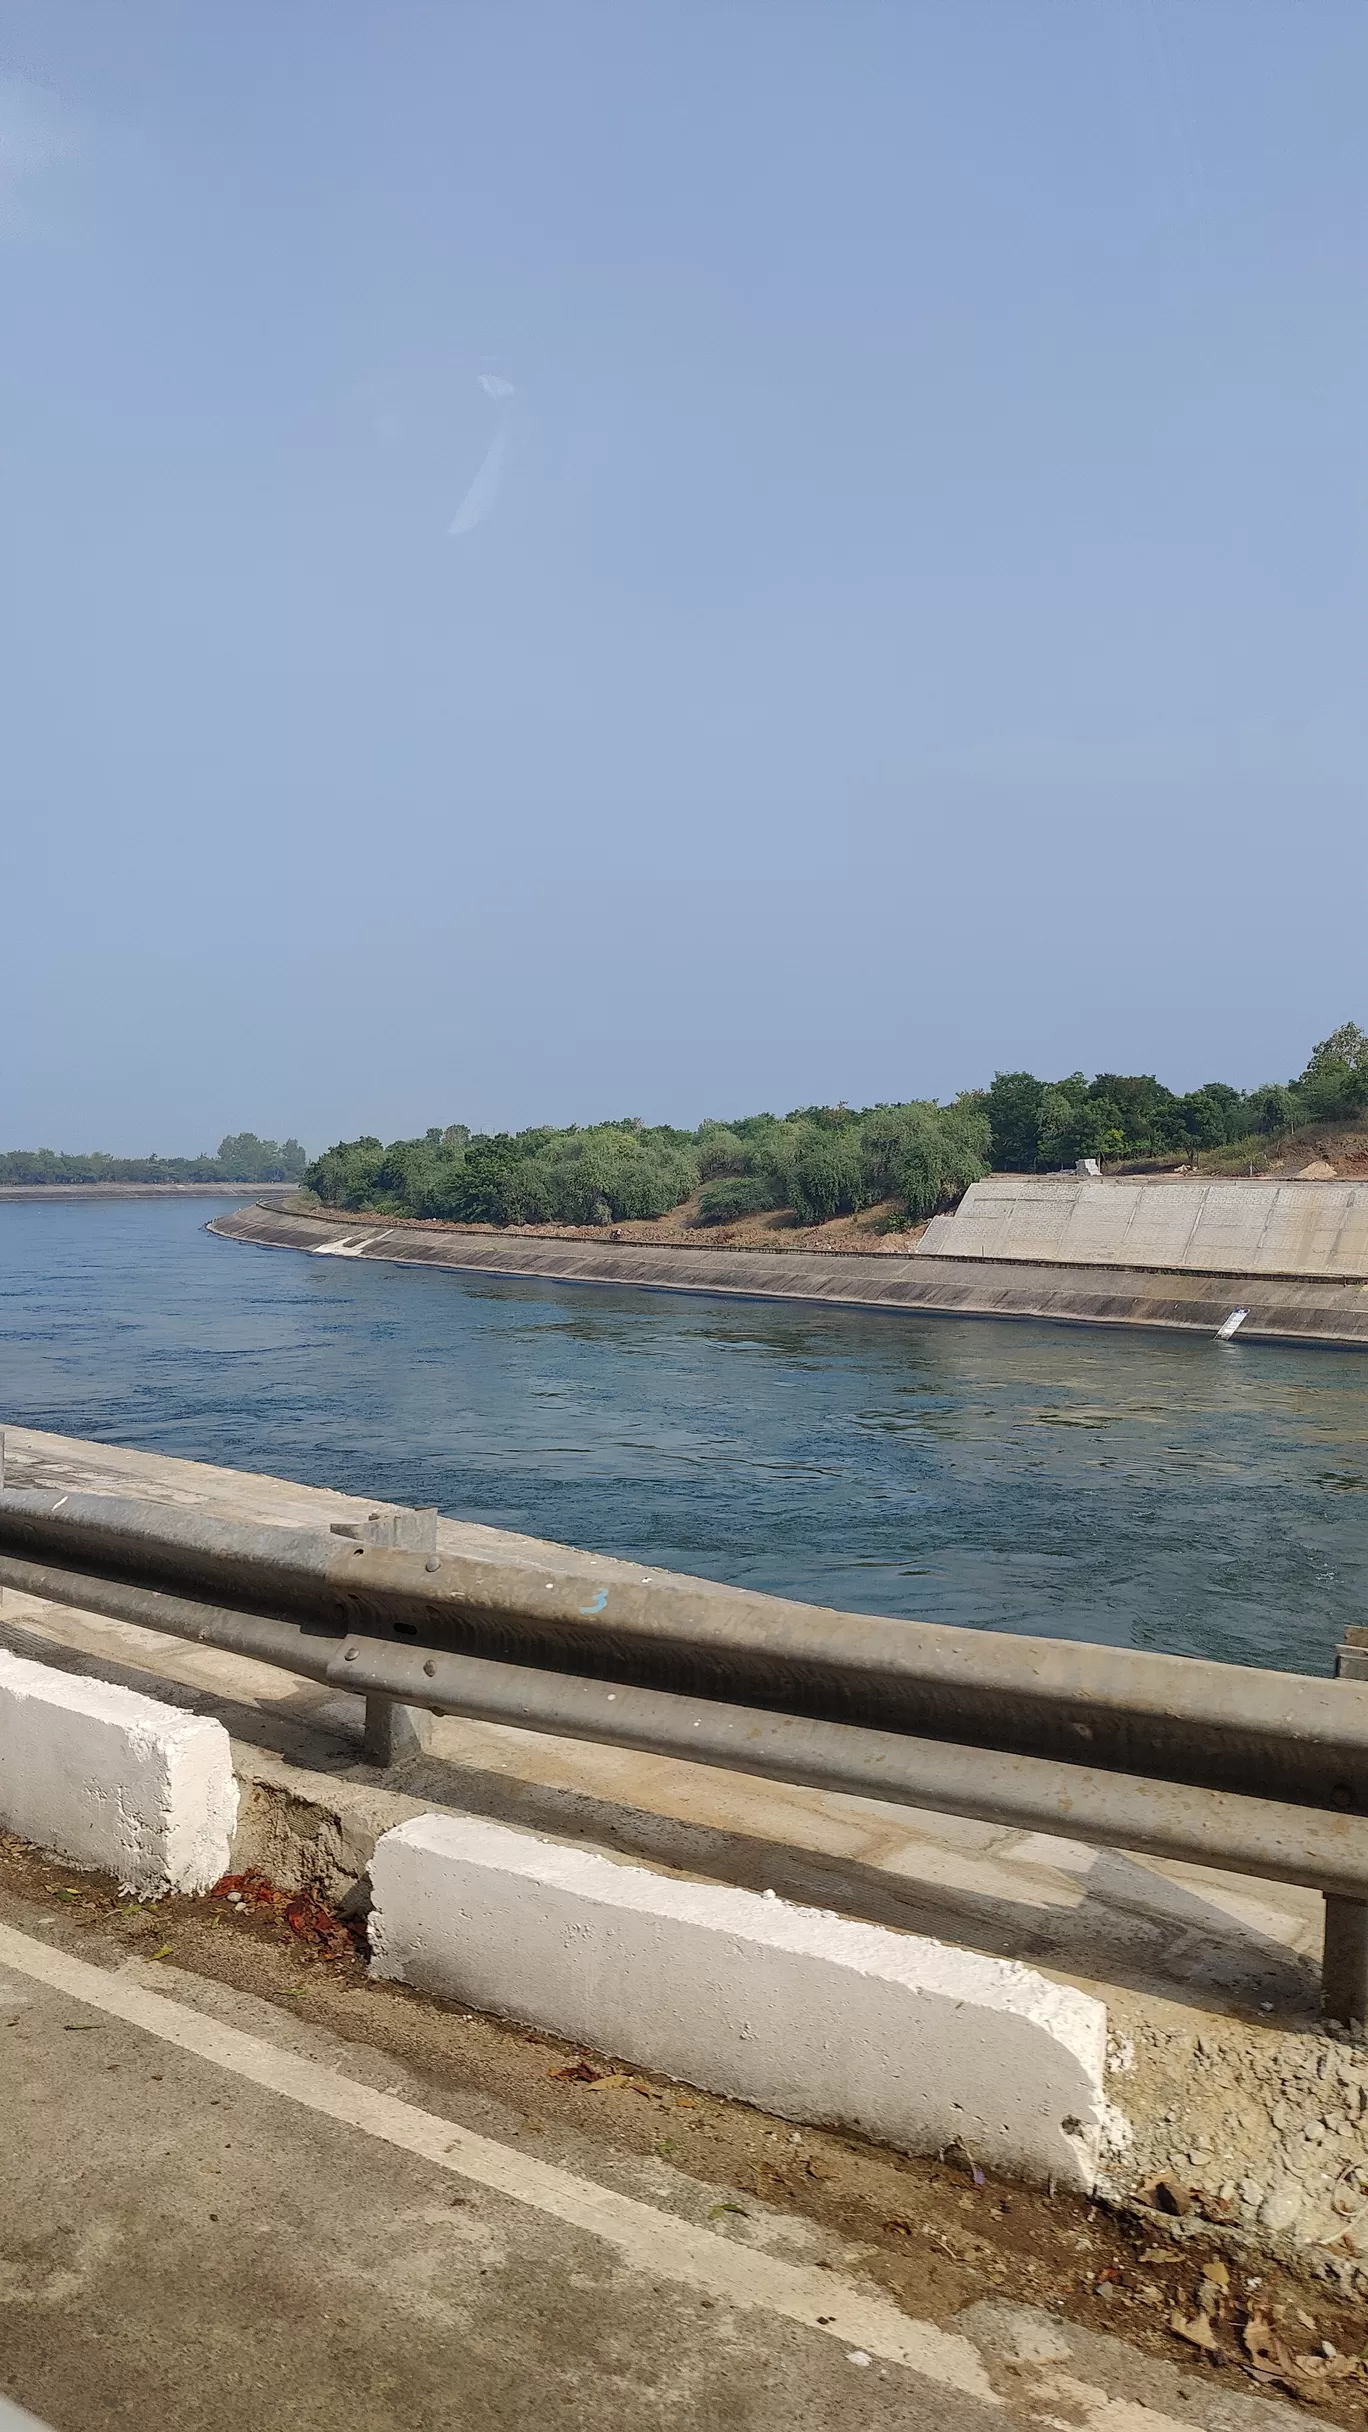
pixel 1039 1126
pixel 825 1161
pixel 821 1161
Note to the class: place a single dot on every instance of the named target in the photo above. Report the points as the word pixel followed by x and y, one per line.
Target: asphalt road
pixel 216 2214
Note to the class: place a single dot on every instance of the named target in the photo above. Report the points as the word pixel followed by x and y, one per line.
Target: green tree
pixel 1014 1104
pixel 828 1176
pixel 1334 1085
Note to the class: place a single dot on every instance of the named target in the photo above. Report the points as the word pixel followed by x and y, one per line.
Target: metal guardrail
pixel 1257 1772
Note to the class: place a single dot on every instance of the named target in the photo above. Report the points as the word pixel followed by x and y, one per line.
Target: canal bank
pixel 1279 1307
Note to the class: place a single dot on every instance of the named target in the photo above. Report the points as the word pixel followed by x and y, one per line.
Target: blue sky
pixel 912 620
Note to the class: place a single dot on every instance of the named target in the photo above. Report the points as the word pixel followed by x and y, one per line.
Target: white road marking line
pixel 647 2240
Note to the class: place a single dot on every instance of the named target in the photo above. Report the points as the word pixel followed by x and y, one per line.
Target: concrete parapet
pixel 808 2014
pixel 108 1778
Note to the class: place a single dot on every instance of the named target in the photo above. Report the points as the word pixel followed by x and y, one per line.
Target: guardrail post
pixel 1344 1964
pixel 393 1731
pixel 1344 1960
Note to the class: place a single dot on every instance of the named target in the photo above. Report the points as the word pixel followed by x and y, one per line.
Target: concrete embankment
pixel 1331 1309
pixel 1312 1232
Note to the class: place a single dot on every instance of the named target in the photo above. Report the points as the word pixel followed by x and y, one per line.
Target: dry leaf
pixel 1325 2368
pixel 1305 2376
pixel 1258 2340
pixel 1197 2332
pixel 308 1920
pixel 1218 2271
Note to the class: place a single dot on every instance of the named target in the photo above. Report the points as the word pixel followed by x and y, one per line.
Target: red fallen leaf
pixel 305 1916
pixel 579 2073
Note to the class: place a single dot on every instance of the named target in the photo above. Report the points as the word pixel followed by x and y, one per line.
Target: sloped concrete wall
pixel 1300 1309
pixel 1310 1229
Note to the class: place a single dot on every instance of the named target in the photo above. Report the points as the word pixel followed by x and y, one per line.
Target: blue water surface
pixel 1139 1489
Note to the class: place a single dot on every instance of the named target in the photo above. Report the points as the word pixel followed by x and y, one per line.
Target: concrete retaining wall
pixel 1302 1229
pixel 810 2015
pixel 114 1780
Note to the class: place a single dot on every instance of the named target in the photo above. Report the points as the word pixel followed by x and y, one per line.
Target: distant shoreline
pixel 148 1190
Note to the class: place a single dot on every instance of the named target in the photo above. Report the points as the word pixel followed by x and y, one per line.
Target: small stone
pixel 1251 2193
pixel 1281 2206
pixel 1279 2116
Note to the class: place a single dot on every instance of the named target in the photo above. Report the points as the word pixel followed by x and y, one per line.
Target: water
pixel 1144 1491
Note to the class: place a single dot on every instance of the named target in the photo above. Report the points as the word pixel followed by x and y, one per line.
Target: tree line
pixel 825 1161
pixel 242 1157
pixel 821 1161
pixel 1039 1126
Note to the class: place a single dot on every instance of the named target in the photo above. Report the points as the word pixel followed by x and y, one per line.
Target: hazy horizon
pixel 571 562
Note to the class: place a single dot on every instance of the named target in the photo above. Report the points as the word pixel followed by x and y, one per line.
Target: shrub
pixel 942 1154
pixel 721 1151
pixel 344 1176
pixel 828 1177
pixel 735 1196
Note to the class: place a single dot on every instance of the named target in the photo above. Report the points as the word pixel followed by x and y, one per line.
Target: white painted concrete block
pixel 813 2016
pixel 111 1779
